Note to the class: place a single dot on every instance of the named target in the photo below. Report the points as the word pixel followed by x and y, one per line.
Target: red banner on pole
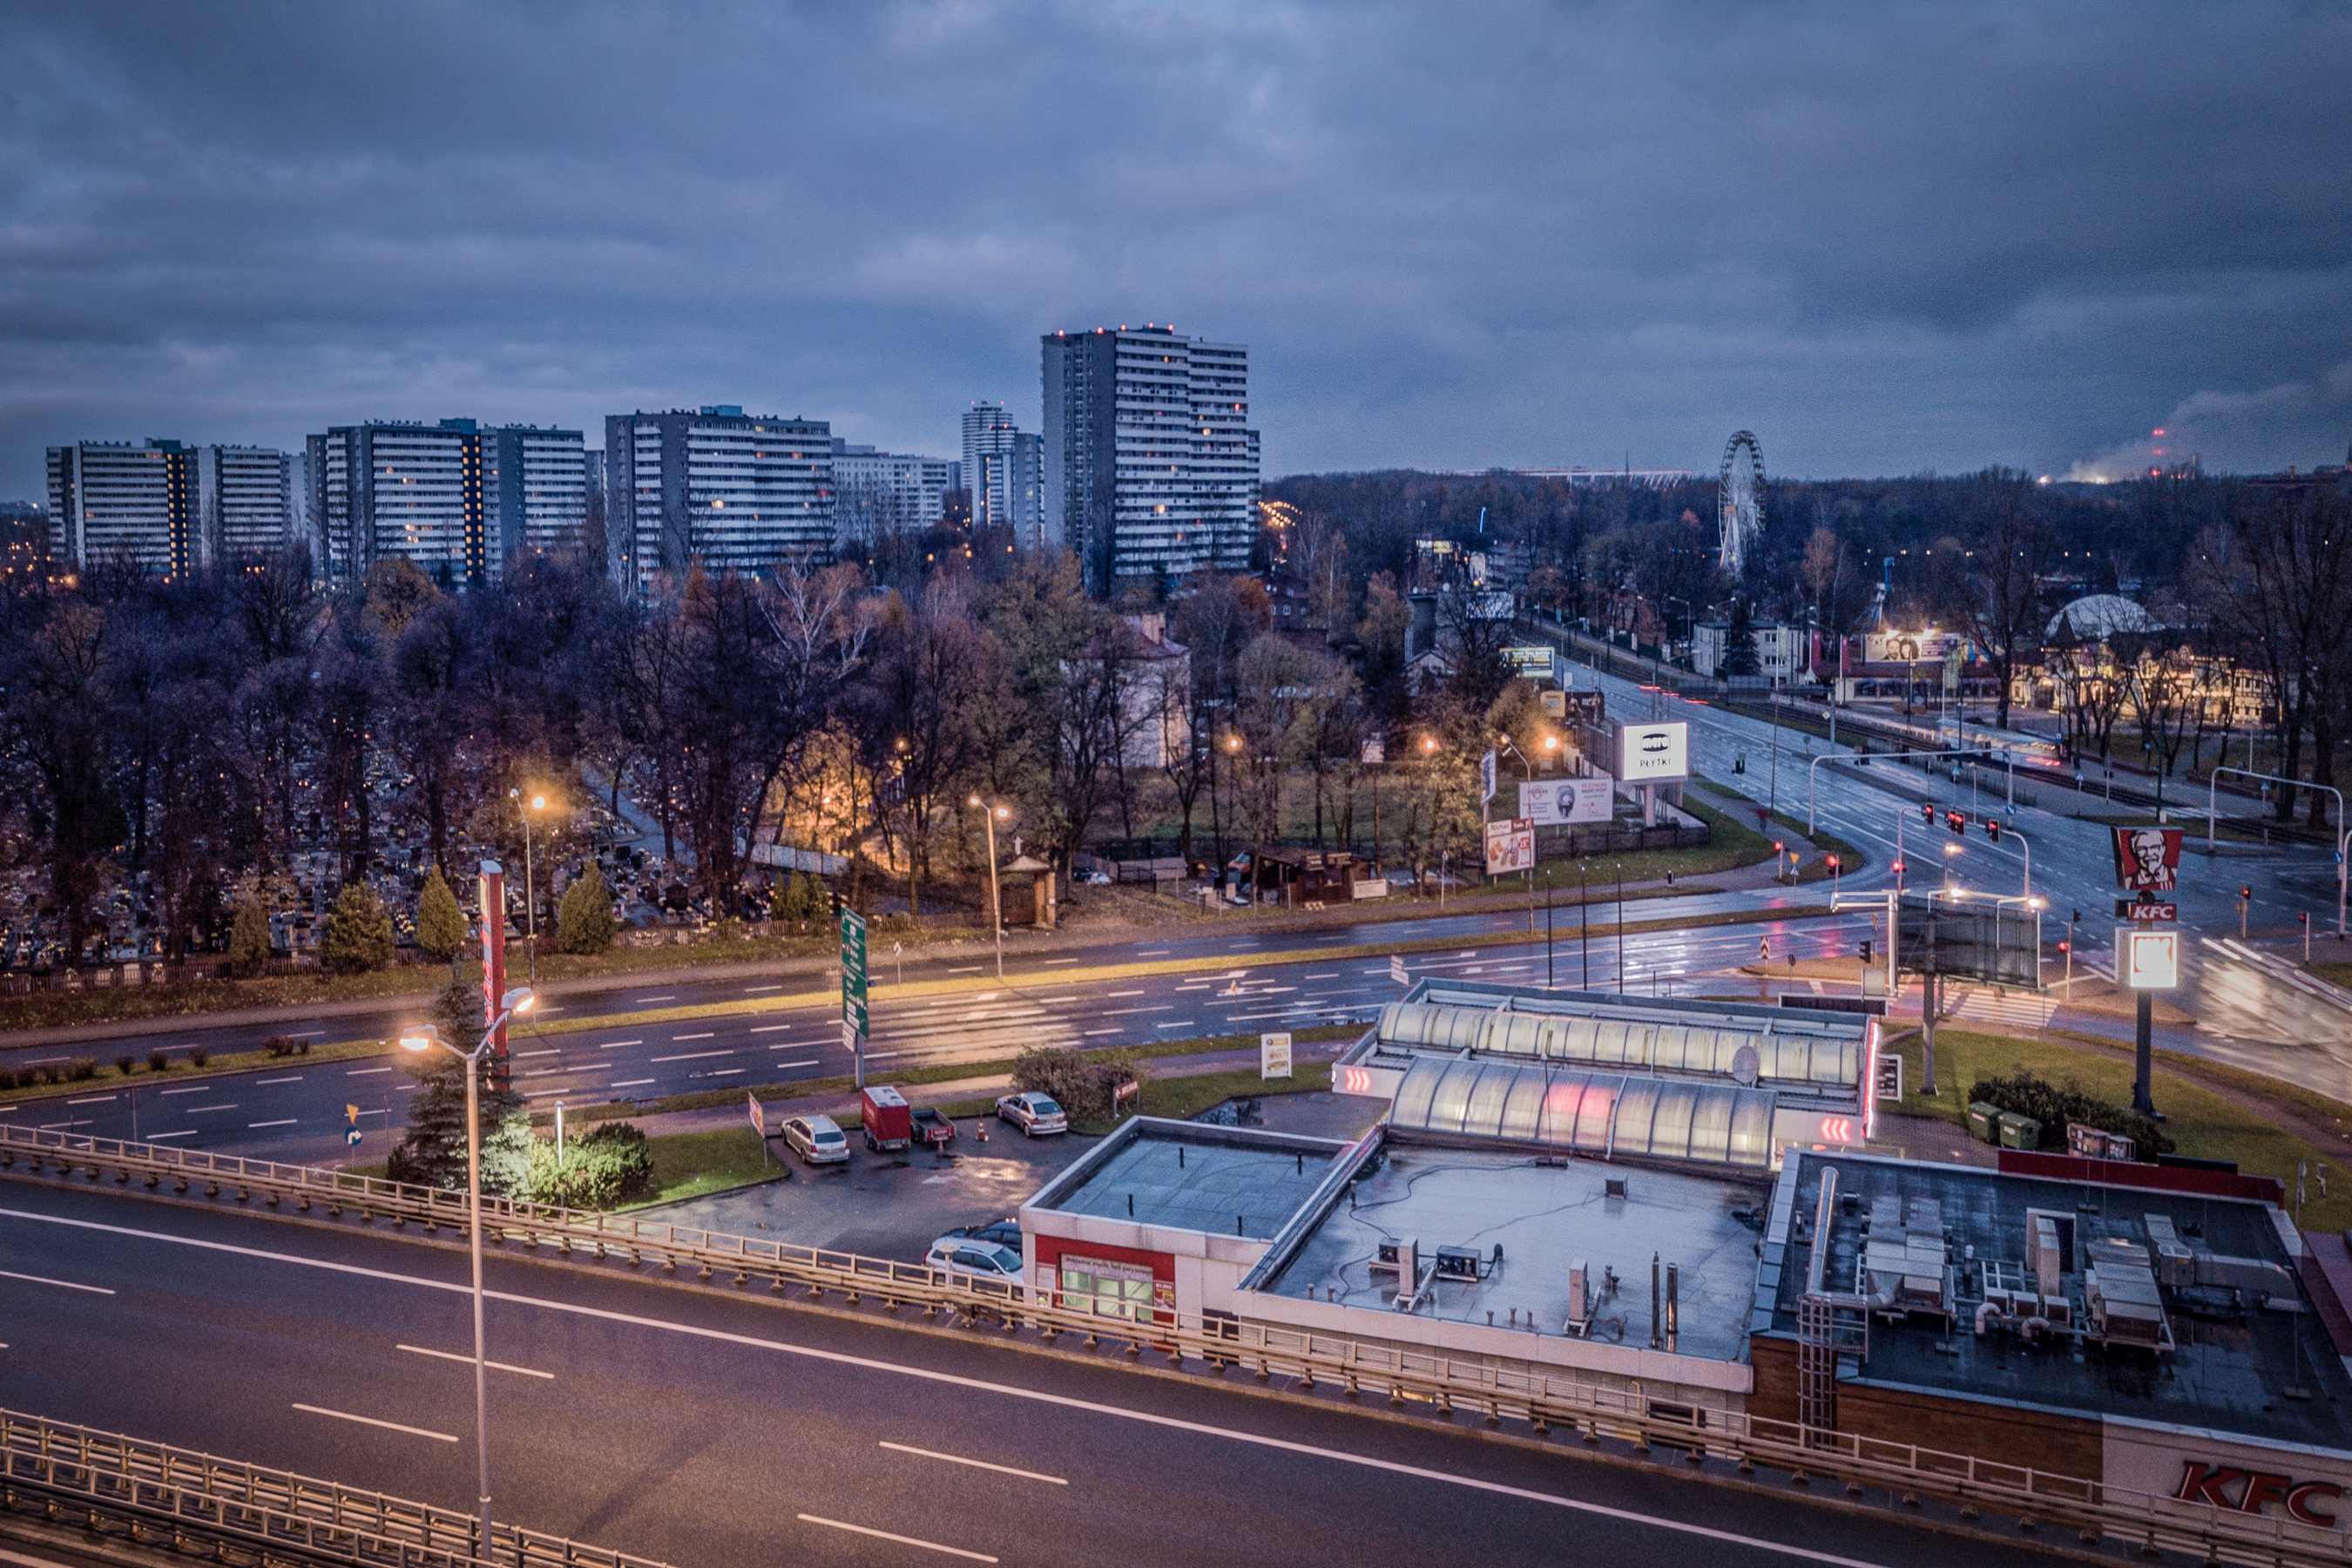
pixel 494 965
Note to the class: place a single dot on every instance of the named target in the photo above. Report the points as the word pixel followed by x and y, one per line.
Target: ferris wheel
pixel 1739 501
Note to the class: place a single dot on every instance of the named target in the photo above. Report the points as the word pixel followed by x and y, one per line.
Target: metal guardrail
pixel 1495 1390
pixel 184 1497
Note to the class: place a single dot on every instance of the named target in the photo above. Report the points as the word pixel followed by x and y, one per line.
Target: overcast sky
pixel 1452 234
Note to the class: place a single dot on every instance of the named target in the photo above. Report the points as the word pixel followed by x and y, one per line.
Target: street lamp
pixel 523 808
pixel 423 1037
pixel 989 816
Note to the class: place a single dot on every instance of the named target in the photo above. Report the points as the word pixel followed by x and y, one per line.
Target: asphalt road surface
pixel 711 1431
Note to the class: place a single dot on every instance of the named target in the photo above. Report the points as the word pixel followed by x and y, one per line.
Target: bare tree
pixel 1989 582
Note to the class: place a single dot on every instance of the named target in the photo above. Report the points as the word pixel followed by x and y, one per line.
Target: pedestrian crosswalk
pixel 2006 1009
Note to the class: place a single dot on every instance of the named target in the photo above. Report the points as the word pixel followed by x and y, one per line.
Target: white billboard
pixel 1510 846
pixel 1559 803
pixel 1652 753
pixel 2150 959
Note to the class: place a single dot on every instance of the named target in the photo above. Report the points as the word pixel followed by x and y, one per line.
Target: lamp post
pixel 523 808
pixel 988 816
pixel 423 1037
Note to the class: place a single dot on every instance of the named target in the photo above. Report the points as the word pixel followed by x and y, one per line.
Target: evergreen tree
pixel 431 1153
pixel 584 921
pixel 359 931
pixel 1740 641
pixel 248 936
pixel 441 929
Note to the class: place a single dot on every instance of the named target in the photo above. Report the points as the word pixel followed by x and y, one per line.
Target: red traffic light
pixel 2066 946
pixel 1926 811
pixel 2245 892
pixel 1896 868
pixel 1778 845
pixel 1993 830
pixel 1957 821
pixel 1833 862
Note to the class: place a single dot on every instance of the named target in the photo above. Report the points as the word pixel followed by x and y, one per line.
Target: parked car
pixel 1091 876
pixel 1036 1114
pixel 883 1116
pixel 975 1259
pixel 816 1139
pixel 996 1232
pixel 930 1129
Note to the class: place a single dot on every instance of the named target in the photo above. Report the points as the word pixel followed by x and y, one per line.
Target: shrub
pixel 2054 1106
pixel 248 936
pixel 199 1055
pixel 441 930
pixel 7 1080
pixel 609 1165
pixel 124 1063
pixel 1082 1081
pixel 359 933
pixel 278 1045
pixel 584 921
pixel 158 1061
pixel 81 1068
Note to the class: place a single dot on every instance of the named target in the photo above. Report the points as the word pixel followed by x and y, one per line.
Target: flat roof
pixel 1223 1181
pixel 1547 1214
pixel 2262 1372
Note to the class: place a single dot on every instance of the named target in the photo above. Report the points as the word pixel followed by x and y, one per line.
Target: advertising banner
pixel 1910 647
pixel 2150 959
pixel 1274 1055
pixel 2147 860
pixel 1652 753
pixel 1560 802
pixel 1510 846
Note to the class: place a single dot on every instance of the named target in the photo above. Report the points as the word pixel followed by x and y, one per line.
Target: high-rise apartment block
pixel 167 507
pixel 458 498
pixel 1002 472
pixel 877 492
pixel 737 491
pixel 1150 465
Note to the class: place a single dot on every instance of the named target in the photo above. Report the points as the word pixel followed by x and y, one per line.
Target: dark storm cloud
pixel 1495 233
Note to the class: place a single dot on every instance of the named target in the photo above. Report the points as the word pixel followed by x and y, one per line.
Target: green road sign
pixel 853 970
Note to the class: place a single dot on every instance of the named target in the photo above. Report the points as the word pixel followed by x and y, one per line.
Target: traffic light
pixel 1926 811
pixel 1993 830
pixel 1896 868
pixel 1778 847
pixel 2077 918
pixel 1866 949
pixel 1957 821
pixel 1833 862
pixel 2246 893
pixel 2065 946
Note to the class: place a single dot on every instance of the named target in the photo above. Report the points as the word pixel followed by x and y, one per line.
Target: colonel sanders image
pixel 2149 872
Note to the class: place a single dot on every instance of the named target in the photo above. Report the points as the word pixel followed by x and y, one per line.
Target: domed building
pixel 2094 617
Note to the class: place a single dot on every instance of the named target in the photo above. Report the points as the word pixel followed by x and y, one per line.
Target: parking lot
pixel 893 1206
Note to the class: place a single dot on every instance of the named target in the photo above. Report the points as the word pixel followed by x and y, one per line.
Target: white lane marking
pixel 548 1052
pixel 617 1045
pixel 1090 1034
pixel 755 990
pixel 719 1072
pixel 810 1063
pixel 191 1089
pixel 266 1082
pixel 380 1110
pixel 900 1540
pixel 772 1028
pixel 1153 952
pixel 706 1034
pixel 1050 961
pixel 975 1464
pixel 1124 1011
pixel 664 997
pixel 362 1072
pixel 91 1099
pixel 1049 1001
pixel 1322 974
pixel 1114 995
pixel 968 969
pixel 493 1365
pixel 693 1055
pixel 371 1421
pixel 306 1035
pixel 60 1284
pixel 53 1126
pixel 1179 1024
pixel 183 1132
pixel 287 1122
pixel 959 1380
pixel 200 1109
pixel 630 1083
pixel 882 1056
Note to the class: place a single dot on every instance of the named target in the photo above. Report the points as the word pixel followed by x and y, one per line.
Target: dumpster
pixel 1983 1122
pixel 2020 1131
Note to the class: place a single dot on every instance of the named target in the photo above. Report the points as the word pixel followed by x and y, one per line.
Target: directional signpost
pixel 352 1133
pixel 854 1018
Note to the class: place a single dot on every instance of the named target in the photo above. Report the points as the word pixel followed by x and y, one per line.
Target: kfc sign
pixel 2251 1491
pixel 2147 860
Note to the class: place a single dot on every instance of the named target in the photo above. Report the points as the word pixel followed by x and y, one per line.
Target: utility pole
pixel 1928 989
pixel 1584 925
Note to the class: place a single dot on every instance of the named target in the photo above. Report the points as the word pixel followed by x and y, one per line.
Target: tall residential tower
pixel 458 498
pixel 737 491
pixel 168 507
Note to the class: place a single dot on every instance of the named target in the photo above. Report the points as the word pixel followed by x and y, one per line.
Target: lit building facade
pixel 456 498
pixel 126 503
pixel 736 491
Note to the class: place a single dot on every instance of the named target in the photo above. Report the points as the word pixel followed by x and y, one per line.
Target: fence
pixel 99 1478
pixel 1495 1390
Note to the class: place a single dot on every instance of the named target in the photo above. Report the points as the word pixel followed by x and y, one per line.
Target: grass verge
pixel 2200 1120
pixel 697 1164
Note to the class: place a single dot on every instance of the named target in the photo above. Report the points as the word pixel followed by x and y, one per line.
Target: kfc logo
pixel 2251 1491
pixel 2147 860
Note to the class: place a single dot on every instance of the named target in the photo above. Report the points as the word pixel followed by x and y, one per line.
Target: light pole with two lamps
pixel 423 1037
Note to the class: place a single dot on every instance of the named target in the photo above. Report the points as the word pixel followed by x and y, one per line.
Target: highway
pixel 709 1430
pixel 296 1110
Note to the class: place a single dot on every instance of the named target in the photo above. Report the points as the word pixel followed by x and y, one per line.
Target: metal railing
pixel 83 1475
pixel 1496 1391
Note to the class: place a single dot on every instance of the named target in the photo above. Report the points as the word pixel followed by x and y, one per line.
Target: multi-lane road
pixel 714 1431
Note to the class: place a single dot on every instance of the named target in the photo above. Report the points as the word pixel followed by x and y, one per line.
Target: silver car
pixel 816 1139
pixel 1036 1114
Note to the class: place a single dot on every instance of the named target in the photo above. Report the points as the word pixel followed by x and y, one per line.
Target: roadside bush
pixel 7 1080
pixel 124 1063
pixel 608 1165
pixel 1082 1082
pixel 441 929
pixel 2053 1106
pixel 248 936
pixel 199 1055
pixel 81 1068
pixel 158 1061
pixel 584 921
pixel 359 933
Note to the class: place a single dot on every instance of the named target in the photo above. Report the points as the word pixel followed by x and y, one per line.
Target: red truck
pixel 887 1118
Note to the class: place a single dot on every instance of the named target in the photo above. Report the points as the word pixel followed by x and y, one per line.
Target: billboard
pixel 1558 802
pixel 2150 959
pixel 1971 941
pixel 1911 647
pixel 1652 753
pixel 1510 846
pixel 2147 860
pixel 1539 660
